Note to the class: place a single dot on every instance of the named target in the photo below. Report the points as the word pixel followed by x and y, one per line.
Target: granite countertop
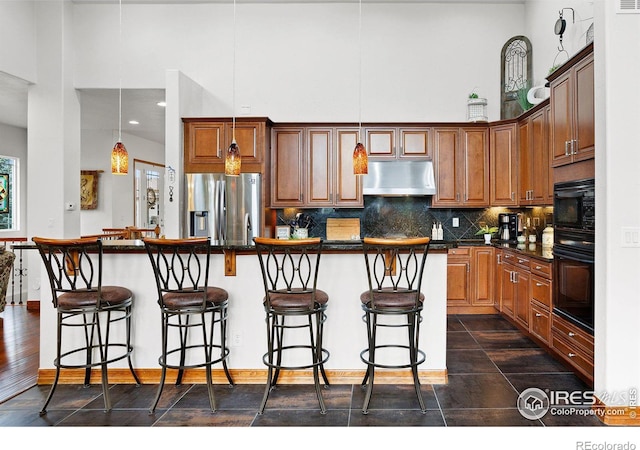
pixel 134 245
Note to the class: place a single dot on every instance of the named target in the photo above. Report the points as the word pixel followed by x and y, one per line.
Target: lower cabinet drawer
pixel 540 322
pixel 572 334
pixel 579 360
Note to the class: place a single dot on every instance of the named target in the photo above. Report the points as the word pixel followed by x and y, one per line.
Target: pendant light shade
pixel 233 160
pixel 360 163
pixel 119 159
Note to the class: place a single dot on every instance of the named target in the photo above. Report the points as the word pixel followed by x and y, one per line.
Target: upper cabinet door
pixel 584 111
pixel 287 167
pixel 204 142
pixel 503 158
pixel 320 173
pixel 380 142
pixel 415 142
pixel 348 187
pixel 573 113
pixel 446 143
pixel 475 166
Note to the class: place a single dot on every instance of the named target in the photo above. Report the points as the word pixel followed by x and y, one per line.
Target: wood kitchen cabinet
pixel 206 141
pixel 535 170
pixel 515 287
pixel 503 157
pixel 482 276
pixel 458 279
pixel 572 109
pixel 312 167
pixel 387 143
pixel 573 345
pixel 541 295
pixel 470 280
pixel 461 160
pixel 287 167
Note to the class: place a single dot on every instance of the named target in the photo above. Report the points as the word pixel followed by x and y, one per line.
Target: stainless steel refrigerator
pixel 224 208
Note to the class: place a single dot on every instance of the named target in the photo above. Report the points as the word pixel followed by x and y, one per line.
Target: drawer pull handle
pixel 538 267
pixel 538 315
pixel 571 334
pixel 539 284
pixel 520 260
pixel 571 355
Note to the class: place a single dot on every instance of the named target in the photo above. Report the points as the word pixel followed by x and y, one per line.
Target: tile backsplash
pixel 411 216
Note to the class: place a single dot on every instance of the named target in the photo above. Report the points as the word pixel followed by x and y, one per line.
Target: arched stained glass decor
pixel 516 61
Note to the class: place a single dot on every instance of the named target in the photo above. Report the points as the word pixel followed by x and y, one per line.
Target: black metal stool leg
pixel 56 362
pixel 270 337
pixel 315 345
pixel 163 362
pixel 413 354
pixel 208 351
pixel 223 344
pixel 372 358
pixel 130 347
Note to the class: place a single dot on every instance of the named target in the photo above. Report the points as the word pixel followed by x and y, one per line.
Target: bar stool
pixel 187 301
pixel 74 267
pixel 394 300
pixel 290 273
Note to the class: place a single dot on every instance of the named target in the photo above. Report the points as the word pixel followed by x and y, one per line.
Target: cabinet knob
pixel 538 284
pixel 571 334
pixel 538 315
pixel 571 355
pixel 538 267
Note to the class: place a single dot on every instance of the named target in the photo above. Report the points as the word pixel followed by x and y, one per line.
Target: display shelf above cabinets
pixel 572 109
pixel 398 142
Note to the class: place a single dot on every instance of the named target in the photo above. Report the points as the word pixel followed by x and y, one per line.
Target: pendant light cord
pixel 120 77
pixel 359 70
pixel 233 76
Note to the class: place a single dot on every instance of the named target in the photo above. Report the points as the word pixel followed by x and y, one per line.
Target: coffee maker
pixel 508 227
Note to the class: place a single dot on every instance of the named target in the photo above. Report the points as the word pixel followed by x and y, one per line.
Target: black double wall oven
pixel 573 252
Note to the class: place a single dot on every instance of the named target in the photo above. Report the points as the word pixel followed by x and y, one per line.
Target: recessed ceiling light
pixel 163 104
pixel 134 122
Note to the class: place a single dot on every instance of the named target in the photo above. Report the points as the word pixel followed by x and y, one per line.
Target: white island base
pixel 342 276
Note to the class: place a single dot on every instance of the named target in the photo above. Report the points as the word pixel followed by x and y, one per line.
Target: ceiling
pixel 100 106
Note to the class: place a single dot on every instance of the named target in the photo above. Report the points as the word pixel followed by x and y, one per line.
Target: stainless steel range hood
pixel 399 178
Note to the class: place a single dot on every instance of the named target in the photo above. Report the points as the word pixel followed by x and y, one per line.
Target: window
pixel 8 193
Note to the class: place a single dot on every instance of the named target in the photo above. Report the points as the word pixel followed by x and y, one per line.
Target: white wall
pixel 17 27
pixel 541 17
pixel 299 62
pixel 115 193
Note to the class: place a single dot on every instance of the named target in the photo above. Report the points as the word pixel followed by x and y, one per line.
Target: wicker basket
pixel 477 110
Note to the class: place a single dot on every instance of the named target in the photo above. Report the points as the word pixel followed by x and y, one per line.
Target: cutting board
pixel 343 229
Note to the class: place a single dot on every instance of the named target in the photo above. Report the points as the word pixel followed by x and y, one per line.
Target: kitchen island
pixel 342 276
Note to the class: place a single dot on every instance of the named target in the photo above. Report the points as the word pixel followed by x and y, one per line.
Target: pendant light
pixel 119 155
pixel 360 164
pixel 233 160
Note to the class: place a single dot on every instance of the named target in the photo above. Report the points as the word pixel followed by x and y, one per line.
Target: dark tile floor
pixel 489 363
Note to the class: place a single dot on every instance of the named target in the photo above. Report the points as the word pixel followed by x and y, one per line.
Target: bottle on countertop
pixel 434 231
pixel 440 232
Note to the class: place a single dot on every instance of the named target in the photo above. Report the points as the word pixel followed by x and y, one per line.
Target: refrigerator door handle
pixel 222 215
pixel 247 229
